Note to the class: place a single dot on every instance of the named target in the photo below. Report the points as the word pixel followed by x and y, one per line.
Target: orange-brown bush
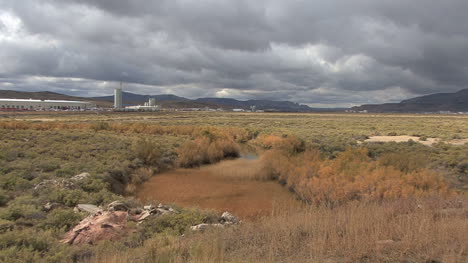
pixel 204 150
pixel 290 144
pixel 352 175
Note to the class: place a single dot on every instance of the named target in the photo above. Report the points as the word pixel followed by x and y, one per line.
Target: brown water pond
pixel 230 185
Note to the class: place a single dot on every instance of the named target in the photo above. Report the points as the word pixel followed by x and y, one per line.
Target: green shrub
pixel 148 151
pixel 61 219
pixel 17 211
pixel 3 198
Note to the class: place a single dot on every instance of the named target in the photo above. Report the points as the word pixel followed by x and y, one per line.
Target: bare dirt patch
pixel 405 138
pixel 226 186
pixel 402 138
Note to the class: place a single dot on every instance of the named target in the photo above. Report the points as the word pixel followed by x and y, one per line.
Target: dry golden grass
pixel 397 231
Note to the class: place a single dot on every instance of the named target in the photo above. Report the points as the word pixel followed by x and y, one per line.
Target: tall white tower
pixel 152 102
pixel 118 97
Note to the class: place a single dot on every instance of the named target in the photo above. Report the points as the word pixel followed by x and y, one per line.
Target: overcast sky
pixel 322 53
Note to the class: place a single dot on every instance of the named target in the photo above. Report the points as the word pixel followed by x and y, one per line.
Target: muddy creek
pixel 230 185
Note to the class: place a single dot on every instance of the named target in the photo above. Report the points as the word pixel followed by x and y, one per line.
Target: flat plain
pixel 317 192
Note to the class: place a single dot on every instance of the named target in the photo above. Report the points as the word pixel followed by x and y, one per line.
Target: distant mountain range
pixel 173 101
pixel 453 102
pixel 169 101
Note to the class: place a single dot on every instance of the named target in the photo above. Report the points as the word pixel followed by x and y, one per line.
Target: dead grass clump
pixel 291 144
pixel 352 233
pixel 404 230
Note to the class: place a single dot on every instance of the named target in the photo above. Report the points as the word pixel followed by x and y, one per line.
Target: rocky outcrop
pixel 100 226
pixel 110 224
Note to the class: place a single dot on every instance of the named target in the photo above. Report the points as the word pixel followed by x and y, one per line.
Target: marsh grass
pixel 406 230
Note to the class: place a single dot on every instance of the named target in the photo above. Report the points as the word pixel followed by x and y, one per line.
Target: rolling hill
pixel 169 100
pixel 453 102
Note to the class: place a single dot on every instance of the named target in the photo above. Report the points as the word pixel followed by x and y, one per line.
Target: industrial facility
pixel 150 105
pixel 30 104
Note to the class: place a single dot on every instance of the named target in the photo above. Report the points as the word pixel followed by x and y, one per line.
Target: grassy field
pixel 363 202
pixel 305 125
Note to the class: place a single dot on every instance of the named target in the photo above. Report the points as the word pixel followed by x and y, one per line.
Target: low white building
pixel 30 104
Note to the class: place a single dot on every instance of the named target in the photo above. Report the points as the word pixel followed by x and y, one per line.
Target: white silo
pixel 152 102
pixel 118 97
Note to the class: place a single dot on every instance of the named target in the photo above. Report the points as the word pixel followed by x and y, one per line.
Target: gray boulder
pixel 229 218
pixel 92 209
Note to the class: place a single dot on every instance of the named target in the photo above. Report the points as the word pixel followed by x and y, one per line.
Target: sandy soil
pixel 402 138
pixel 405 138
pixel 227 186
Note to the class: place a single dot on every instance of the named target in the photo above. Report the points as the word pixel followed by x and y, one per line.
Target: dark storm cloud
pixel 317 52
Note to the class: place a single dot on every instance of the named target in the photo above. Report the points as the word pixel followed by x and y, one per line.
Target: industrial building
pixel 30 104
pixel 150 105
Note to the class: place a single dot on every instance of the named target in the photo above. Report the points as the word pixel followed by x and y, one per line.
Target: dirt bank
pixel 227 186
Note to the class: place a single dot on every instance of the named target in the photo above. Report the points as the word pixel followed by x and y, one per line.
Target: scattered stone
pixel 144 215
pixel 117 206
pixel 151 210
pixel 149 207
pixel 163 206
pixel 57 183
pixel 203 227
pixel 92 209
pixel 228 218
pixel 50 206
pixel 80 176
